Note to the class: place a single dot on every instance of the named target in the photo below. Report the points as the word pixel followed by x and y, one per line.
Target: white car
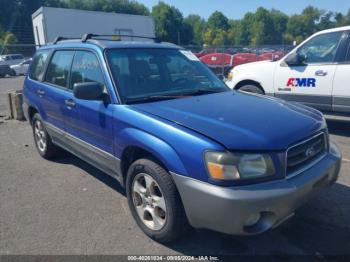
pixel 315 73
pixel 11 59
pixel 21 68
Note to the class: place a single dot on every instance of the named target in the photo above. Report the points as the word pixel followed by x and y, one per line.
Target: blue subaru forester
pixel 189 151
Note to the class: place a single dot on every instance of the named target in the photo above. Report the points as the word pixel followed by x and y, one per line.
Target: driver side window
pixel 321 48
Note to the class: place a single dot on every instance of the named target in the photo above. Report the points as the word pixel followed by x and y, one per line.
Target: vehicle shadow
pixel 339 127
pixel 69 159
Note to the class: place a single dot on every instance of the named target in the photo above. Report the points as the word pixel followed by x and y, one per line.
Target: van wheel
pixel 42 139
pixel 155 202
pixel 13 72
pixel 251 89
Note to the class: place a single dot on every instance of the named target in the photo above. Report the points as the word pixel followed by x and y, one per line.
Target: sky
pixel 235 9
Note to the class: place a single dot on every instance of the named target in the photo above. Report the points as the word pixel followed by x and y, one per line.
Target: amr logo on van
pixel 301 82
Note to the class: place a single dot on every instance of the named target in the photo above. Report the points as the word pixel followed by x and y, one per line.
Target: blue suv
pixel 189 151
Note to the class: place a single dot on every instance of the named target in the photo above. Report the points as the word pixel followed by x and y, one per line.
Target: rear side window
pixel 86 68
pixel 38 65
pixel 59 67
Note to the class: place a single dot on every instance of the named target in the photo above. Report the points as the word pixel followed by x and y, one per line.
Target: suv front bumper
pixel 255 208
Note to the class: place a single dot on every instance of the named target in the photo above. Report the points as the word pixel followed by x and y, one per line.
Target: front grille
pixel 302 154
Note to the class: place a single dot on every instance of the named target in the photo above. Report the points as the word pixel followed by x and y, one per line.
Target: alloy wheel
pixel 40 136
pixel 149 201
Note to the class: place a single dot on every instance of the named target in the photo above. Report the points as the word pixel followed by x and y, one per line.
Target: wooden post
pixel 15 105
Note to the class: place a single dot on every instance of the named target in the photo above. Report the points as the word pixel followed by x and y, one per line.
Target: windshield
pixel 155 74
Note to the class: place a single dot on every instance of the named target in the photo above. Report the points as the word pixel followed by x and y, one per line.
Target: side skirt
pixel 98 158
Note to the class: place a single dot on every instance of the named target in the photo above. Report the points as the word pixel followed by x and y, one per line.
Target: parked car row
pixel 223 62
pixel 13 65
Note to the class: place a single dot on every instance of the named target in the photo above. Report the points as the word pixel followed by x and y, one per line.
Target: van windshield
pixel 143 75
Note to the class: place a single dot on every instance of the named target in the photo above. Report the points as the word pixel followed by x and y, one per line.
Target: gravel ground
pixel 66 207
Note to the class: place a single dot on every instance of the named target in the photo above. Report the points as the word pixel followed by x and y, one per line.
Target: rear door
pixel 54 90
pixel 341 86
pixel 311 83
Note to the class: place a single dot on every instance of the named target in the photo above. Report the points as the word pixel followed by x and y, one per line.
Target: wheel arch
pixel 144 145
pixel 248 82
pixel 31 112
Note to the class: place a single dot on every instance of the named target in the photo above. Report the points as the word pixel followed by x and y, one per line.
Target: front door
pixel 89 123
pixel 310 83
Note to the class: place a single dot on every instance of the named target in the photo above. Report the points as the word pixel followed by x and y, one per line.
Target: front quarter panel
pixel 178 148
pixel 260 72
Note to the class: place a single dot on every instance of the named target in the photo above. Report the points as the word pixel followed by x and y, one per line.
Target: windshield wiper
pixel 203 91
pixel 152 98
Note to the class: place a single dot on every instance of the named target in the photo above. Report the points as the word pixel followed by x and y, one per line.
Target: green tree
pixel 233 32
pixel 198 25
pixel 301 26
pixel 262 27
pixel 280 21
pixel 169 24
pixel 218 21
pixel 244 34
pixel 342 20
pixel 215 37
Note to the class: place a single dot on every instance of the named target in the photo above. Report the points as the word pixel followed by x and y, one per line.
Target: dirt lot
pixel 68 207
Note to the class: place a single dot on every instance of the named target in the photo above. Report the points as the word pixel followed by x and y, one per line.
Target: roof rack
pixel 61 38
pixel 86 37
pixel 91 36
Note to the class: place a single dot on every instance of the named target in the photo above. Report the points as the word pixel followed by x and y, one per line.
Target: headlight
pixel 229 166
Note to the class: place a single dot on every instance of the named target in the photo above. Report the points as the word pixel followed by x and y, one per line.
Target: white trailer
pixel 48 23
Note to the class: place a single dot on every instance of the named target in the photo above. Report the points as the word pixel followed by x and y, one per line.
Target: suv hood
pixel 240 121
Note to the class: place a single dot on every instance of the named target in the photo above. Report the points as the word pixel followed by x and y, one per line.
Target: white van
pixel 315 73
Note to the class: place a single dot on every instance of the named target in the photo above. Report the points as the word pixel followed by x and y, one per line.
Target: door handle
pixel 40 92
pixel 321 73
pixel 69 103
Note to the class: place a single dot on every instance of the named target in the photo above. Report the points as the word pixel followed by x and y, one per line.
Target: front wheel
pixel 251 89
pixel 155 202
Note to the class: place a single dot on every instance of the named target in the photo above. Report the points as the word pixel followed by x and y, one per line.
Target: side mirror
pixel 295 59
pixel 88 91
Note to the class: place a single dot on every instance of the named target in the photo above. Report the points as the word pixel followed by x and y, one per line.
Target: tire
pixel 42 139
pixel 162 220
pixel 2 75
pixel 251 89
pixel 13 72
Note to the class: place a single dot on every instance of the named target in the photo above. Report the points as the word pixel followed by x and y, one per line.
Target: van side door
pixel 311 81
pixel 341 86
